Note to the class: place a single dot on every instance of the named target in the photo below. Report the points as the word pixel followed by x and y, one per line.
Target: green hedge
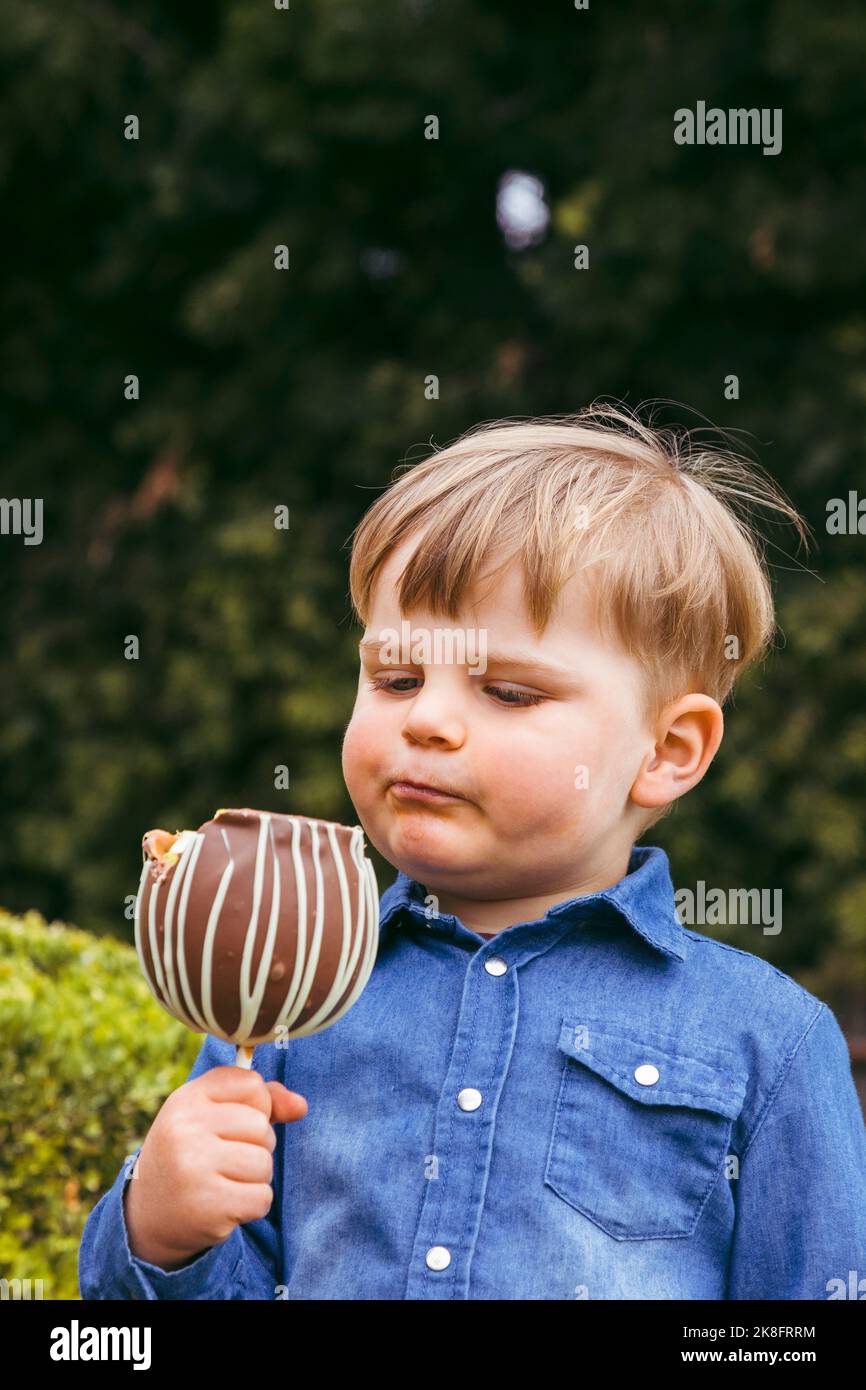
pixel 87 1057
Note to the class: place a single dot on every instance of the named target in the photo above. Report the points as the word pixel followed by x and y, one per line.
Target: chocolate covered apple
pixel 258 925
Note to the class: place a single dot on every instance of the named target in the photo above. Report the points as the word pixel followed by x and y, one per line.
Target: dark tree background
pixel 306 387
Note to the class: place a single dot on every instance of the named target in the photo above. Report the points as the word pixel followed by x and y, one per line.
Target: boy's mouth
pixel 423 791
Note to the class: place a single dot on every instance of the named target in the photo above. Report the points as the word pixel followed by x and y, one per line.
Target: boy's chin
pixel 426 850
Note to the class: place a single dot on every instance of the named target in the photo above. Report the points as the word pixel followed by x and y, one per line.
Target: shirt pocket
pixel 642 1126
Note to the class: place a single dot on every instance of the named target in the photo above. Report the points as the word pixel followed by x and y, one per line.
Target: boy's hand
pixel 206 1164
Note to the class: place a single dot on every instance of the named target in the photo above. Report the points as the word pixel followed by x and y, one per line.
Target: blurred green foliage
pixel 87 1057
pixel 305 388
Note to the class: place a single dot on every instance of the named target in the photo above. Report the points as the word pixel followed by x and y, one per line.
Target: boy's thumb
pixel 285 1104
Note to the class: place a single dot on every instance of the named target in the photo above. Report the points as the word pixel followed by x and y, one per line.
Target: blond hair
pixel 677 567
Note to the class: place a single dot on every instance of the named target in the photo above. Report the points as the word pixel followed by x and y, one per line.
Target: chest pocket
pixel 642 1126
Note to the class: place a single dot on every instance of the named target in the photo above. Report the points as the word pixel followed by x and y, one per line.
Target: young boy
pixel 550 1089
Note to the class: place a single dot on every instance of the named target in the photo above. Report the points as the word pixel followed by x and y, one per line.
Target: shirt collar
pixel 643 898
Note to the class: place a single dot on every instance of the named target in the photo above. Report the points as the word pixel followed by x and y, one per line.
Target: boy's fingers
pixel 285 1104
pixel 239 1084
pixel 247 1087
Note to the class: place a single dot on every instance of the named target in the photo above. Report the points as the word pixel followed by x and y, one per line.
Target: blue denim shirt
pixel 597 1104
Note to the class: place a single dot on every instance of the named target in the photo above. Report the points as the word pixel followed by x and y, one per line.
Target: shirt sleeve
pixel 244 1266
pixel 800 1226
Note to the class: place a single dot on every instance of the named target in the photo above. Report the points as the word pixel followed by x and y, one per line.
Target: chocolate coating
pixel 265 927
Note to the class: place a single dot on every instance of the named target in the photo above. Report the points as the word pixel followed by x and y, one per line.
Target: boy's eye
pixel 507 696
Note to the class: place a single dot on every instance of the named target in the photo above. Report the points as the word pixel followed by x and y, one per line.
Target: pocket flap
pixel 656 1070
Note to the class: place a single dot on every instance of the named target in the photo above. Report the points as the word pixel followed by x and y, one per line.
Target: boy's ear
pixel 688 734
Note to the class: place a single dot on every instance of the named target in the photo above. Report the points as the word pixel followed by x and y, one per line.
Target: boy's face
pixel 543 788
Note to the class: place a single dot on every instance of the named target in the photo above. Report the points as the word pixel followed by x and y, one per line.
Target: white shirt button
pixel 469 1098
pixel 438 1257
pixel 646 1075
pixel 495 966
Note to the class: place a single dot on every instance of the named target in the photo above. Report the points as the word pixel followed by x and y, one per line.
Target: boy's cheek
pixel 350 749
pixel 360 756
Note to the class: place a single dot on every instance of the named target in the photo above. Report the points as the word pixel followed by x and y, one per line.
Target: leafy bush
pixel 87 1057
